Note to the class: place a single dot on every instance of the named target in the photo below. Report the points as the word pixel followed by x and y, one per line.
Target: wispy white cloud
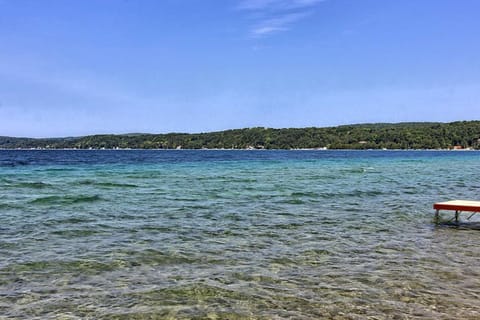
pixel 276 24
pixel 273 16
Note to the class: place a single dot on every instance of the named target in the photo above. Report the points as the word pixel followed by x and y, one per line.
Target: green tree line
pixel 417 135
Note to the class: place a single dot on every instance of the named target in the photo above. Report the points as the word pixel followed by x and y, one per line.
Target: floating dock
pixel 458 206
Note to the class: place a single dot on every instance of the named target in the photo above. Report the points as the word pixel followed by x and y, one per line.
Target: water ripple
pixel 237 235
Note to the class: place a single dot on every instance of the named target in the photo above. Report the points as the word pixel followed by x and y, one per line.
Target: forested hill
pixel 418 135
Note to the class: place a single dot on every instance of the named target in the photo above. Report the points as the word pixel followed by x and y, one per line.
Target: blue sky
pixel 80 67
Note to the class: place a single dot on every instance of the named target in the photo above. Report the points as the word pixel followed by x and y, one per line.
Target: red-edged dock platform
pixel 458 206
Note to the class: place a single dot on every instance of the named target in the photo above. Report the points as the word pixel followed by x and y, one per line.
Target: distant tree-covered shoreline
pixel 416 135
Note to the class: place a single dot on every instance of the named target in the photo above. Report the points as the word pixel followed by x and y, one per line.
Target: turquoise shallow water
pixel 237 235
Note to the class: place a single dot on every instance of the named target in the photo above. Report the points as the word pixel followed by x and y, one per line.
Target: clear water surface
pixel 237 235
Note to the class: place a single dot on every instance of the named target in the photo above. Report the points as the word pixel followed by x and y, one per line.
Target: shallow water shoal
pixel 236 234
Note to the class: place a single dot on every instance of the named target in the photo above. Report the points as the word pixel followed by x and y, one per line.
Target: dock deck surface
pixel 457 206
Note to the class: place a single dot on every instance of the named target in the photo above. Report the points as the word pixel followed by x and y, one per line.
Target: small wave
pixel 117 185
pixel 358 170
pixel 33 185
pixel 66 199
pixel 74 233
pixel 183 199
pixel 292 225
pixel 369 193
pixel 7 164
pixel 351 194
pixel 304 194
pixel 294 201
pixel 84 182
pixel 14 163
pixel 8 206
pixel 58 169
pixel 410 190
pixel 195 207
pixel 69 220
pixel 89 182
pixel 316 252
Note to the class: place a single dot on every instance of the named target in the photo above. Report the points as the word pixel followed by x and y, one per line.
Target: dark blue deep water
pixel 132 234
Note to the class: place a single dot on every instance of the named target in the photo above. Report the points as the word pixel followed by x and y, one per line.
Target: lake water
pixel 237 235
